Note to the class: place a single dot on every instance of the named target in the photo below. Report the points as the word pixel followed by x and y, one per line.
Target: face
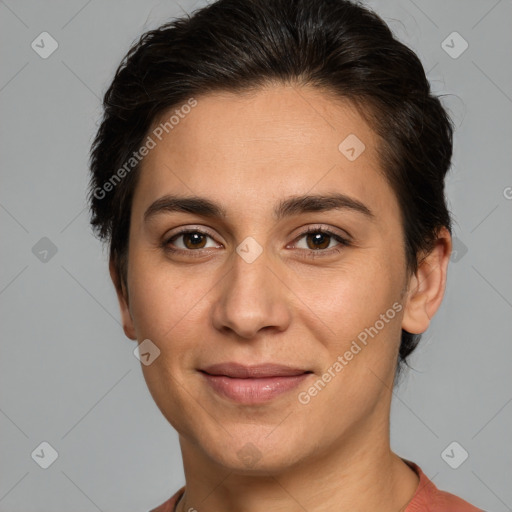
pixel 248 283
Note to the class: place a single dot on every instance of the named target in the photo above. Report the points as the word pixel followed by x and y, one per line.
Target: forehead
pixel 272 142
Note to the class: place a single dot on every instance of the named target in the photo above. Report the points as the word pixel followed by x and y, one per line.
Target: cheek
pixel 167 309
pixel 161 303
pixel 363 311
pixel 168 303
pixel 351 297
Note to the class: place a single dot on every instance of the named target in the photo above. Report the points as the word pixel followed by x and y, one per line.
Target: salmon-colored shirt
pixel 428 498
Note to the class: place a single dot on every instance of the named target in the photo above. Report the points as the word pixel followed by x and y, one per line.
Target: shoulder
pixel 428 498
pixel 168 506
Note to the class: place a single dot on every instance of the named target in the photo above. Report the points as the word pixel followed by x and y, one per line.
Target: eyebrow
pixel 293 206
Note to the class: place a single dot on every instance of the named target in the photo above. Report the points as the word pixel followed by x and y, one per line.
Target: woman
pixel 269 175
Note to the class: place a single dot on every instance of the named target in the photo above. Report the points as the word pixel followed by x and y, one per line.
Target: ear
pixel 426 287
pixel 122 297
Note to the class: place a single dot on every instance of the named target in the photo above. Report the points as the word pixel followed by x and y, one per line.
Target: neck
pixel 355 474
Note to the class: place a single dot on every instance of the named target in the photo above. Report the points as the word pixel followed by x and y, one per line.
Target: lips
pixel 240 371
pixel 252 385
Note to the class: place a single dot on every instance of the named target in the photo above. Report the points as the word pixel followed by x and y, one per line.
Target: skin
pixel 247 152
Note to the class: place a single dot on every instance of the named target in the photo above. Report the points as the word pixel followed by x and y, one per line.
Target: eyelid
pixel 186 230
pixel 342 239
pixel 189 229
pixel 327 230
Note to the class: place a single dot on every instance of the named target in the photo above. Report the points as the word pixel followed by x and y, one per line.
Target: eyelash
pixel 312 253
pixel 308 253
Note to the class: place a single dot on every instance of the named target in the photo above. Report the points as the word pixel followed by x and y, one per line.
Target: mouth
pixel 252 384
pixel 240 371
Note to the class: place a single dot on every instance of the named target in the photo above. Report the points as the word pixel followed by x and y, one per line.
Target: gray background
pixel 68 375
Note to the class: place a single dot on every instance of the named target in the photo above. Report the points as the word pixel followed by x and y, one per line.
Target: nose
pixel 252 296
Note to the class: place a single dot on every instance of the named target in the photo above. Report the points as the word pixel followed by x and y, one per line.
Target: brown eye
pixel 318 240
pixel 188 241
pixel 194 240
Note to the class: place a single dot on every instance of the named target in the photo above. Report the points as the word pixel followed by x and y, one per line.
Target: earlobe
pixel 426 288
pixel 122 297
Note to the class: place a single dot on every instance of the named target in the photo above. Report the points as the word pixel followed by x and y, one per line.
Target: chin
pixel 256 454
